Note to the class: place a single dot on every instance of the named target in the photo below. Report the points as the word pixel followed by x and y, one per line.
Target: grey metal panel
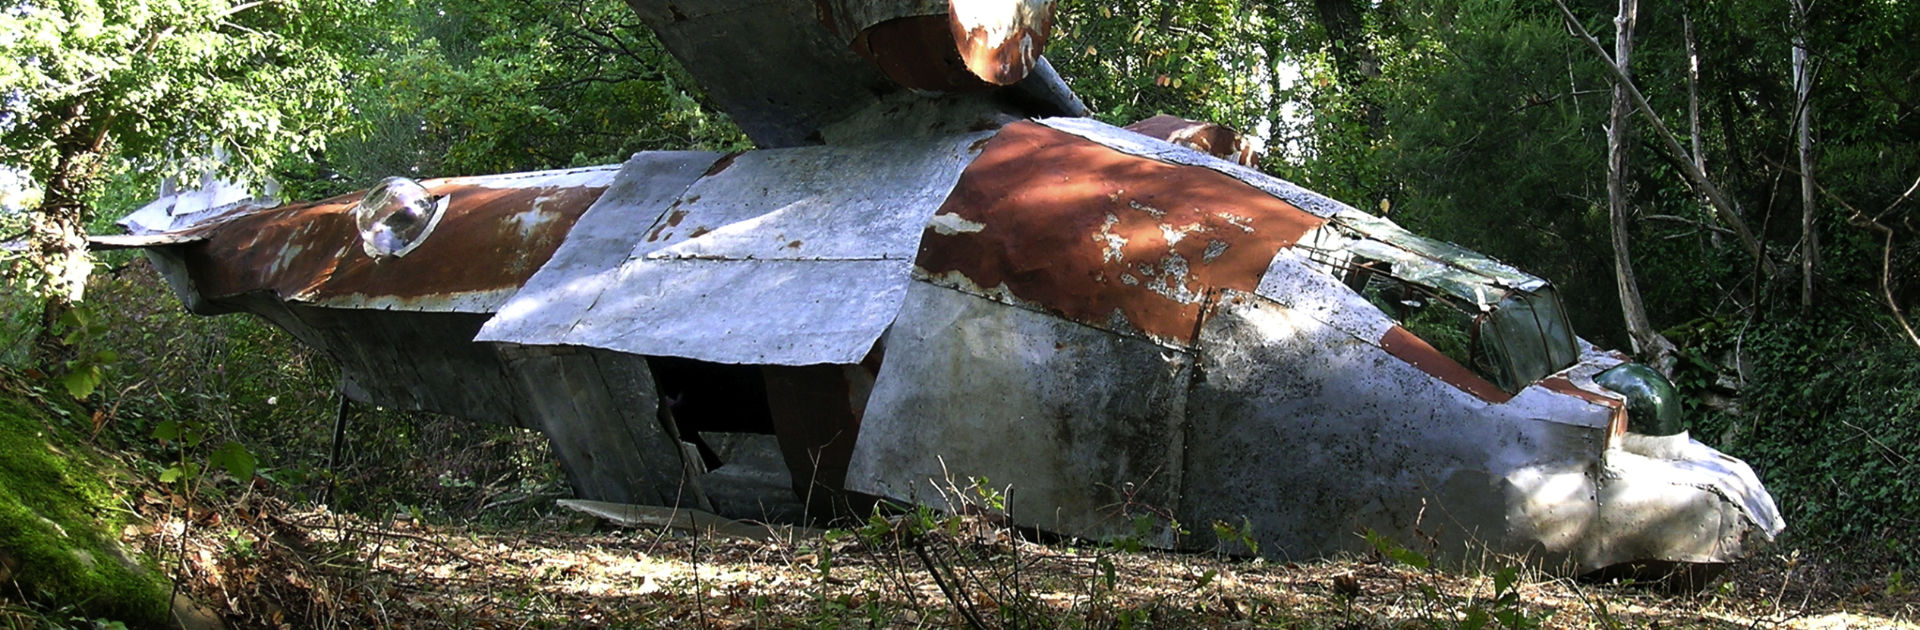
pixel 868 201
pixel 599 409
pixel 1673 498
pixel 770 64
pixel 1312 435
pixel 767 312
pixel 785 257
pixel 1132 143
pixel 1295 283
pixel 1080 423
pixel 590 258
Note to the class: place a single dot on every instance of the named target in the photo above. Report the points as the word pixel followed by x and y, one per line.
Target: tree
pixel 467 87
pixel 90 82
pixel 1647 342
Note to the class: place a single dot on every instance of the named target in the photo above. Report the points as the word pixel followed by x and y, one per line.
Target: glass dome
pixel 395 216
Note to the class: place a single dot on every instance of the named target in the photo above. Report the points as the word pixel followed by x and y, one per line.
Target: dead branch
pixel 1860 219
pixel 1721 206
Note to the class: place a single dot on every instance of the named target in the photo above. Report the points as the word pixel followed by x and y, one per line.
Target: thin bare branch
pixel 1724 208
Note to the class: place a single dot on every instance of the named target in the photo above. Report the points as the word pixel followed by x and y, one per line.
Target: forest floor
pixel 256 562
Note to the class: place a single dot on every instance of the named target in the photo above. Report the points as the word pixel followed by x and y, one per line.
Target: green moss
pixel 58 525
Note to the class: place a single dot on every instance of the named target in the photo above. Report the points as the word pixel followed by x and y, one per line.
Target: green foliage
pixel 60 518
pixel 487 86
pixel 1829 430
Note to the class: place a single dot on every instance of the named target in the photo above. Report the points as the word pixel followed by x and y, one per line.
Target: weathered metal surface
pixel 1050 221
pixel 1001 40
pixel 793 256
pixel 1312 435
pixel 1674 499
pixel 496 232
pixel 1209 138
pixel 772 65
pixel 1132 143
pixel 600 412
pixel 588 262
pixel 407 360
pixel 1083 424
pixel 1460 272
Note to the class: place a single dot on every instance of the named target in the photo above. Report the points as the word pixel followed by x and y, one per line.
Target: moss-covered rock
pixel 59 519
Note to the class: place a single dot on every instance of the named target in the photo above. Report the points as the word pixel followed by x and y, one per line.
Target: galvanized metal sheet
pixel 1051 221
pixel 766 312
pixel 1311 436
pixel 1083 426
pixel 833 202
pixel 547 307
pixel 792 256
pixel 1439 264
pixel 1129 142
pixel 1652 484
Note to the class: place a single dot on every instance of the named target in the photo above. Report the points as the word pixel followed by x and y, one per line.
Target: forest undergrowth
pixel 224 429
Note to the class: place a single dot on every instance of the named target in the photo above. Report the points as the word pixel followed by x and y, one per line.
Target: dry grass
pixel 259 563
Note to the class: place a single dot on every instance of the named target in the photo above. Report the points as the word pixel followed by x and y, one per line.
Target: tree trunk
pixel 1722 207
pixel 1647 343
pixel 1803 112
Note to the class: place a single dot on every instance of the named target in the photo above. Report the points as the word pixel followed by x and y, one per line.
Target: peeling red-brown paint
pixel 1217 140
pixel 917 52
pixel 490 239
pixel 1102 237
pixel 1409 347
pixel 1003 54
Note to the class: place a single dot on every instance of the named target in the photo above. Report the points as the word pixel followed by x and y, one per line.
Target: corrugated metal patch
pixel 601 241
pixel 496 232
pixel 793 256
pixel 1048 220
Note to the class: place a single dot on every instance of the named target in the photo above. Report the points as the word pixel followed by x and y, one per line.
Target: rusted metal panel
pixel 918 52
pixel 794 256
pixel 1209 138
pixel 1081 423
pixel 1050 221
pixel 1001 40
pixel 589 261
pixel 1132 143
pixel 496 232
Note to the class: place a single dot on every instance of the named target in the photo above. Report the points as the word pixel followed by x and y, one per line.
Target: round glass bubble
pixel 395 216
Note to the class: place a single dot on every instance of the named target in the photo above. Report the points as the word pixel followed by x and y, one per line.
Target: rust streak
pixel 490 239
pixel 1102 237
pixel 1408 347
